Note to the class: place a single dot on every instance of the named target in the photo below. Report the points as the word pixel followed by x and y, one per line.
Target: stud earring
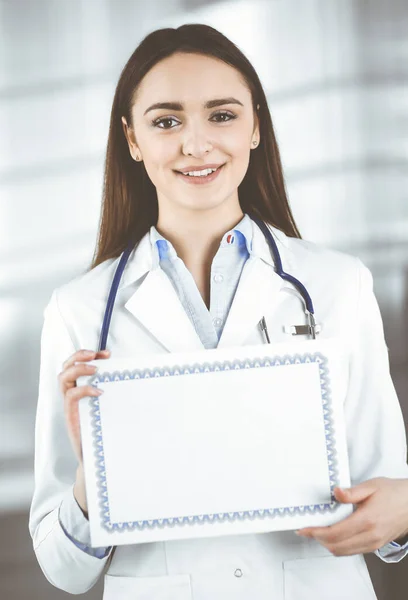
pixel 254 142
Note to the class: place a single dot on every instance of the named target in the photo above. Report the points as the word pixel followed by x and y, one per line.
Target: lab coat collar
pixel 142 259
pixel 162 246
pixel 156 306
pixel 260 247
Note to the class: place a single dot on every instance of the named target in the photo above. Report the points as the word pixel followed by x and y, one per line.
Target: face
pixel 193 134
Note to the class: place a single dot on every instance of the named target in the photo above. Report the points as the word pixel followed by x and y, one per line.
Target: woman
pixel 188 101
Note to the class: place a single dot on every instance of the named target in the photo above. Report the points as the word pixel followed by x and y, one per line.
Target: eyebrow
pixel 179 106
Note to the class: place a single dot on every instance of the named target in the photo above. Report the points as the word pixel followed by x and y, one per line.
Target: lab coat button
pixel 238 573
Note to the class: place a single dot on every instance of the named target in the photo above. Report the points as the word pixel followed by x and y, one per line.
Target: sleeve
pixel 76 526
pixel 63 563
pixel 376 432
pixel 392 552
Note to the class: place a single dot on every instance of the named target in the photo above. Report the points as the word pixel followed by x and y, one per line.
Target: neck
pixel 196 235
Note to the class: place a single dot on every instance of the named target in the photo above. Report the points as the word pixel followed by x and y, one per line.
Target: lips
pixel 199 169
pixel 200 180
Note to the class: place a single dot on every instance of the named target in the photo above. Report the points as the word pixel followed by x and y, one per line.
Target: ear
pixel 256 131
pixel 130 138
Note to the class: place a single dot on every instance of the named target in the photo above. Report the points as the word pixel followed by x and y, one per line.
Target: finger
pixel 342 495
pixel 102 353
pixel 358 544
pixel 83 355
pixel 347 528
pixel 68 377
pixel 73 370
pixel 357 493
pixel 74 394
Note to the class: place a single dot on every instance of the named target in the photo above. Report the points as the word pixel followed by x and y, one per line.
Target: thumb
pixel 355 494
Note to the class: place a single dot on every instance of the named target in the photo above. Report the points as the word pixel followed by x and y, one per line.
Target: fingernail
pixel 99 391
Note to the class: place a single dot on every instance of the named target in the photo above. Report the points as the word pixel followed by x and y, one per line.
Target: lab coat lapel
pixel 258 290
pixel 257 295
pixel 157 307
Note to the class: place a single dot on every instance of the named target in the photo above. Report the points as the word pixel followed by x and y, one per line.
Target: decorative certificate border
pixel 209 367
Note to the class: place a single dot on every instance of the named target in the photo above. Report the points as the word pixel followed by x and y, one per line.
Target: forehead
pixel 191 79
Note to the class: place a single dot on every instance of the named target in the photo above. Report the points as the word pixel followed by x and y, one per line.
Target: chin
pixel 203 204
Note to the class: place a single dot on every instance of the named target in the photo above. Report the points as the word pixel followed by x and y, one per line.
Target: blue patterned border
pixel 208 367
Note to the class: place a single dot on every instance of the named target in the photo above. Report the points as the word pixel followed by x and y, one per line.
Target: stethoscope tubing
pixel 112 296
pixel 279 267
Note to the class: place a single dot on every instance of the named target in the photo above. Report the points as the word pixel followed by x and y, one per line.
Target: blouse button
pixel 218 278
pixel 238 573
pixel 217 322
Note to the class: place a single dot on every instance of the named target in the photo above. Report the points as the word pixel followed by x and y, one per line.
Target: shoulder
pixel 320 260
pixel 89 290
pixel 326 270
pixel 94 279
pixel 85 289
pixel 340 285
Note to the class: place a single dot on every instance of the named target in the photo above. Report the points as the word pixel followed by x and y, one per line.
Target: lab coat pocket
pixel 166 587
pixel 327 577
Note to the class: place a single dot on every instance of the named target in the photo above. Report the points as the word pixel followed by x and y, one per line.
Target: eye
pixel 230 116
pixel 158 122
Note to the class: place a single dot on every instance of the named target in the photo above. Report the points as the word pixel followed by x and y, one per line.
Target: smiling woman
pixel 193 179
pixel 188 100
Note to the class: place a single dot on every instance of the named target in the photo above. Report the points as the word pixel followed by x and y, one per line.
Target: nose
pixel 196 141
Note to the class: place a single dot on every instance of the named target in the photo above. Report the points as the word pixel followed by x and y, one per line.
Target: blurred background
pixel 336 76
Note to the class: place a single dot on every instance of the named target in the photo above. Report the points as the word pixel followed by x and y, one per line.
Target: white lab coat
pixel 148 317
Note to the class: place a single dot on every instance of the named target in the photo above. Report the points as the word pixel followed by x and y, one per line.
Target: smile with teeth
pixel 203 173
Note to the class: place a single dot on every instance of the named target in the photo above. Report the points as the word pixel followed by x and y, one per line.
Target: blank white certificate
pixel 215 442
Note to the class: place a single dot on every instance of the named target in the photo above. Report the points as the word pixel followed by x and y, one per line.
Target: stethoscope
pixel 309 329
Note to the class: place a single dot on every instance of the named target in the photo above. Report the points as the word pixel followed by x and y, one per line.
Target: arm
pixel 376 442
pixel 75 525
pixel 373 400
pixel 377 439
pixel 64 564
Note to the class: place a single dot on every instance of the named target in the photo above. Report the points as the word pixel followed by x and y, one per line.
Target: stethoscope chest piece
pixel 302 330
pixel 311 328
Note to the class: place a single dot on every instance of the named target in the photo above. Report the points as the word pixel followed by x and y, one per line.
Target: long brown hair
pixel 129 203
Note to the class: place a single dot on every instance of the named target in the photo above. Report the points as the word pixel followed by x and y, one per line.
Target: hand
pixel 380 517
pixel 73 393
